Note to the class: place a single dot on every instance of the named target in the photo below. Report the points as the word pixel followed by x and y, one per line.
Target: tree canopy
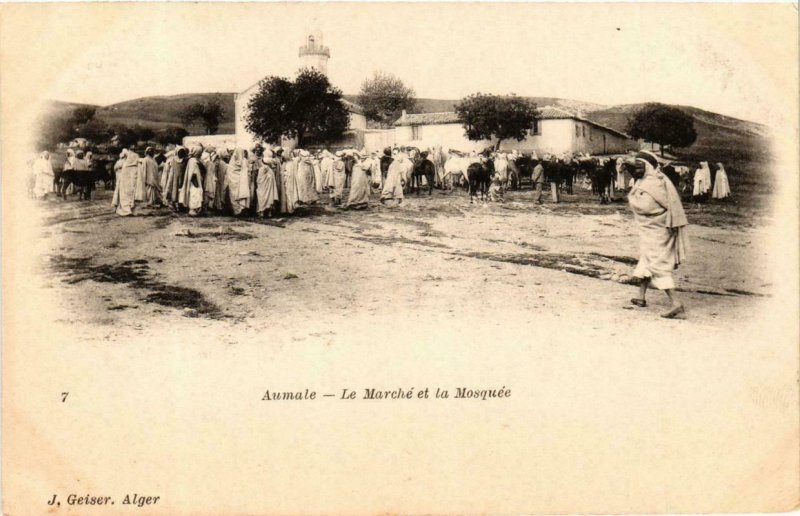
pixel 664 125
pixel 308 108
pixel 208 113
pixel 171 134
pixel 494 116
pixel 384 97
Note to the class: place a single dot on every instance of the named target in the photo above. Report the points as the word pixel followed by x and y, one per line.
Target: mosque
pixel 557 131
pixel 312 54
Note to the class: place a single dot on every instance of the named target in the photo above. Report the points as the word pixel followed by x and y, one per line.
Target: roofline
pixel 567 116
pixel 402 117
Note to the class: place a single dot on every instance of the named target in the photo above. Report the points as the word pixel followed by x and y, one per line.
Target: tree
pixel 308 108
pixel 128 136
pixel 83 115
pixel 209 113
pixel 384 97
pixel 54 129
pixel 664 125
pixel 94 130
pixel 172 134
pixel 493 116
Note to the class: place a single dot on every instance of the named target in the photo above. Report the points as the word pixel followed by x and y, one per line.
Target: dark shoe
pixel 639 302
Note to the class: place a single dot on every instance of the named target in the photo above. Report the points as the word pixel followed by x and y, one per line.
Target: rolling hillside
pixel 161 111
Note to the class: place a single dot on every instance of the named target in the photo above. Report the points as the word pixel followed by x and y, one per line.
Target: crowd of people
pixel 263 183
pixel 266 182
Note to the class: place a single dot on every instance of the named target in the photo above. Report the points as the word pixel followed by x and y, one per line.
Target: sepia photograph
pixel 400 258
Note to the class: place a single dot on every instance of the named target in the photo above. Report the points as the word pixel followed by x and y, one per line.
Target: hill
pixel 158 112
pixel 154 112
pixel 163 111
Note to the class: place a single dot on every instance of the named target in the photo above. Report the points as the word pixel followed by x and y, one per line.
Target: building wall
pixel 588 138
pixel 358 121
pixel 244 139
pixel 379 139
pixel 220 141
pixel 449 136
pixel 318 62
pixel 555 137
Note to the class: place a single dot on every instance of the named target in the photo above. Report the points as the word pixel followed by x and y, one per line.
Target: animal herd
pixel 477 172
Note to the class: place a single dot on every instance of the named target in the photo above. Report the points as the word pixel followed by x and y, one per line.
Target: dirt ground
pixel 437 255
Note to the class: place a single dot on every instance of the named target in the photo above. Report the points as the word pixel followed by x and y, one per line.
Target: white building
pixel 556 131
pixel 313 54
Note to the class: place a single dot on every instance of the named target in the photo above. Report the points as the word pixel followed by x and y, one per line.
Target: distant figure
pixel 124 193
pixel 395 179
pixel 266 184
pixel 358 199
pixel 326 170
pixel 702 182
pixel 661 221
pixel 307 193
pixel 552 174
pixel 537 177
pixel 338 178
pixel 386 160
pixel 620 179
pixel 192 191
pixel 290 192
pixel 722 189
pixel 151 178
pixel 237 182
pixel 500 173
pixel 44 176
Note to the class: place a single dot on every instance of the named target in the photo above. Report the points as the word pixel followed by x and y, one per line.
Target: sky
pixel 729 59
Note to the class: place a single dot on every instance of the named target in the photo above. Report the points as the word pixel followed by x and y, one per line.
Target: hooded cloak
pixel 722 188
pixel 125 188
pixel 237 182
pixel 662 222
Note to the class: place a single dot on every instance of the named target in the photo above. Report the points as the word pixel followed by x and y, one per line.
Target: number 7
pixel 64 396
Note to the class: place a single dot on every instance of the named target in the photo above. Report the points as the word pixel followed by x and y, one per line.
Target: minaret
pixel 314 54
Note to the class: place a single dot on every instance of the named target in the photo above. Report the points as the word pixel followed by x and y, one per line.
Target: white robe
pixel 43 171
pixel 722 188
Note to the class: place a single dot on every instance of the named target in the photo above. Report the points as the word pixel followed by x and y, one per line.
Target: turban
pixel 648 157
